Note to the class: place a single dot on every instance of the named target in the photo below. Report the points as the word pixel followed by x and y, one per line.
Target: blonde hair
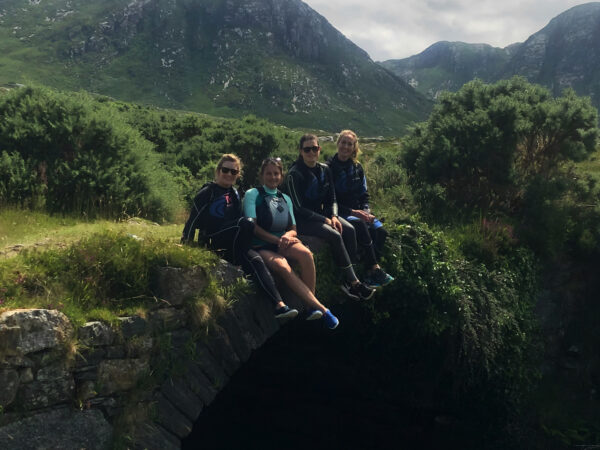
pixel 229 157
pixel 356 150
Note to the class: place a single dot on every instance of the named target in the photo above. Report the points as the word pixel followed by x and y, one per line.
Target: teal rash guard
pixel 252 199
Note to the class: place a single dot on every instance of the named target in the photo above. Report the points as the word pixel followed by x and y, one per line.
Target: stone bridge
pixel 80 387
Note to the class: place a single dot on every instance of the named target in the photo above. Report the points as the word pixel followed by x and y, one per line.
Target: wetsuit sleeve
pixel 293 186
pixel 364 197
pixel 288 200
pixel 331 207
pixel 195 220
pixel 250 203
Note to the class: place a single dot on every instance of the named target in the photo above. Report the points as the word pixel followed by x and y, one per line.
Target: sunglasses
pixel 315 149
pixel 228 170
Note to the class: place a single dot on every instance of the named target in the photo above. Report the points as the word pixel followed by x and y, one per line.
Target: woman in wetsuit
pixel 353 205
pixel 217 214
pixel 276 239
pixel 310 186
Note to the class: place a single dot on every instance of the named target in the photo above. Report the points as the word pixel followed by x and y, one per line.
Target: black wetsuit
pixel 217 214
pixel 313 196
pixel 351 193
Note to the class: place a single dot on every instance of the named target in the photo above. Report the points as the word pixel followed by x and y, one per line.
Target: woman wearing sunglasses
pixel 310 186
pixel 276 240
pixel 353 203
pixel 217 214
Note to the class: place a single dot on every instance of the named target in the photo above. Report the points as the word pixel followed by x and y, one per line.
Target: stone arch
pixel 44 390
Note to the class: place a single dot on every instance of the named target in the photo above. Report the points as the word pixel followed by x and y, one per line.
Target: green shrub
pixel 86 158
pixel 104 272
pixel 18 182
pixel 467 328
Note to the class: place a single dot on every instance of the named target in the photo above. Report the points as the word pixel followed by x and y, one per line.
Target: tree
pixel 485 146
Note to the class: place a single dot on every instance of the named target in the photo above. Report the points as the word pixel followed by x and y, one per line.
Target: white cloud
pixel 397 30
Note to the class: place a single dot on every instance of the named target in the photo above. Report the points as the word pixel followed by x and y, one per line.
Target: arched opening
pixel 308 387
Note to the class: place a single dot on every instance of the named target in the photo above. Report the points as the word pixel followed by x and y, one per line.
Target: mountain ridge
pixel 565 53
pixel 278 59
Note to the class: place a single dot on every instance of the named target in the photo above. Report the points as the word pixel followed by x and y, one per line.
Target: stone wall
pixel 71 388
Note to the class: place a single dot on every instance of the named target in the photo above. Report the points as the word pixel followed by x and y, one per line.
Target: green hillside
pixel 278 60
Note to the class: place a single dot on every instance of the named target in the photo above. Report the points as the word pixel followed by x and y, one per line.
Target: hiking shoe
pixel 285 312
pixel 378 278
pixel 350 290
pixel 365 292
pixel 330 320
pixel 314 315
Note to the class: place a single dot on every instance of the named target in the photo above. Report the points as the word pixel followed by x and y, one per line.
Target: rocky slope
pixel 565 53
pixel 274 58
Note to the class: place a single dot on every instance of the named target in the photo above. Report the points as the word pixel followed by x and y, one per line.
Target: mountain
pixel 565 53
pixel 277 59
pixel 446 66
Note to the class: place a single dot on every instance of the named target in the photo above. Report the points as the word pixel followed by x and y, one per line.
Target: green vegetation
pixel 507 151
pixel 500 174
pixel 102 276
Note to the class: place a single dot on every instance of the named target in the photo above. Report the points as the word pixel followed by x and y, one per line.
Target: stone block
pixel 153 436
pixel 139 346
pixel 221 349
pixel 175 285
pixel 253 333
pixel 55 371
pixel 227 273
pixel 117 375
pixel 116 352
pixel 180 395
pixel 168 319
pixel 204 359
pixel 25 375
pixel 171 418
pixel 58 429
pixel 40 394
pixel 9 384
pixel 33 330
pixel 264 315
pixel 237 337
pixel 89 357
pixel 17 361
pixel 199 383
pixel 96 334
pixel 132 326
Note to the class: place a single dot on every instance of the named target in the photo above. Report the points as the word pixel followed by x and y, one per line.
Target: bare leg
pixel 279 265
pixel 304 257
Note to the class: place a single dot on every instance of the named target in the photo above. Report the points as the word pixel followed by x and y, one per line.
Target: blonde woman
pixel 353 205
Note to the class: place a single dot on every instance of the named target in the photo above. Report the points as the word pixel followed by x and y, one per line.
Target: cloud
pixel 402 29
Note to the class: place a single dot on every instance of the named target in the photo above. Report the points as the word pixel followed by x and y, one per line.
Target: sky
pixel 394 29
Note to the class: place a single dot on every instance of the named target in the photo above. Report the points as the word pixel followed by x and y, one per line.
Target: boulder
pixel 24 331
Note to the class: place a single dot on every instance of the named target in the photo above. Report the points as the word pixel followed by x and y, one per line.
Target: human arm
pixel 294 186
pixel 195 221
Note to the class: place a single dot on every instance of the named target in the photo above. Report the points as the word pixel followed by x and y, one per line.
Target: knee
pixel 305 256
pixel 280 266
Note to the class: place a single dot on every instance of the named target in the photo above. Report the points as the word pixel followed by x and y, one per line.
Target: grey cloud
pixel 401 29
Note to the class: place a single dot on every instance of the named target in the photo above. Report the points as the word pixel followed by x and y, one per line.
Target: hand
pixel 362 215
pixel 286 241
pixel 336 224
